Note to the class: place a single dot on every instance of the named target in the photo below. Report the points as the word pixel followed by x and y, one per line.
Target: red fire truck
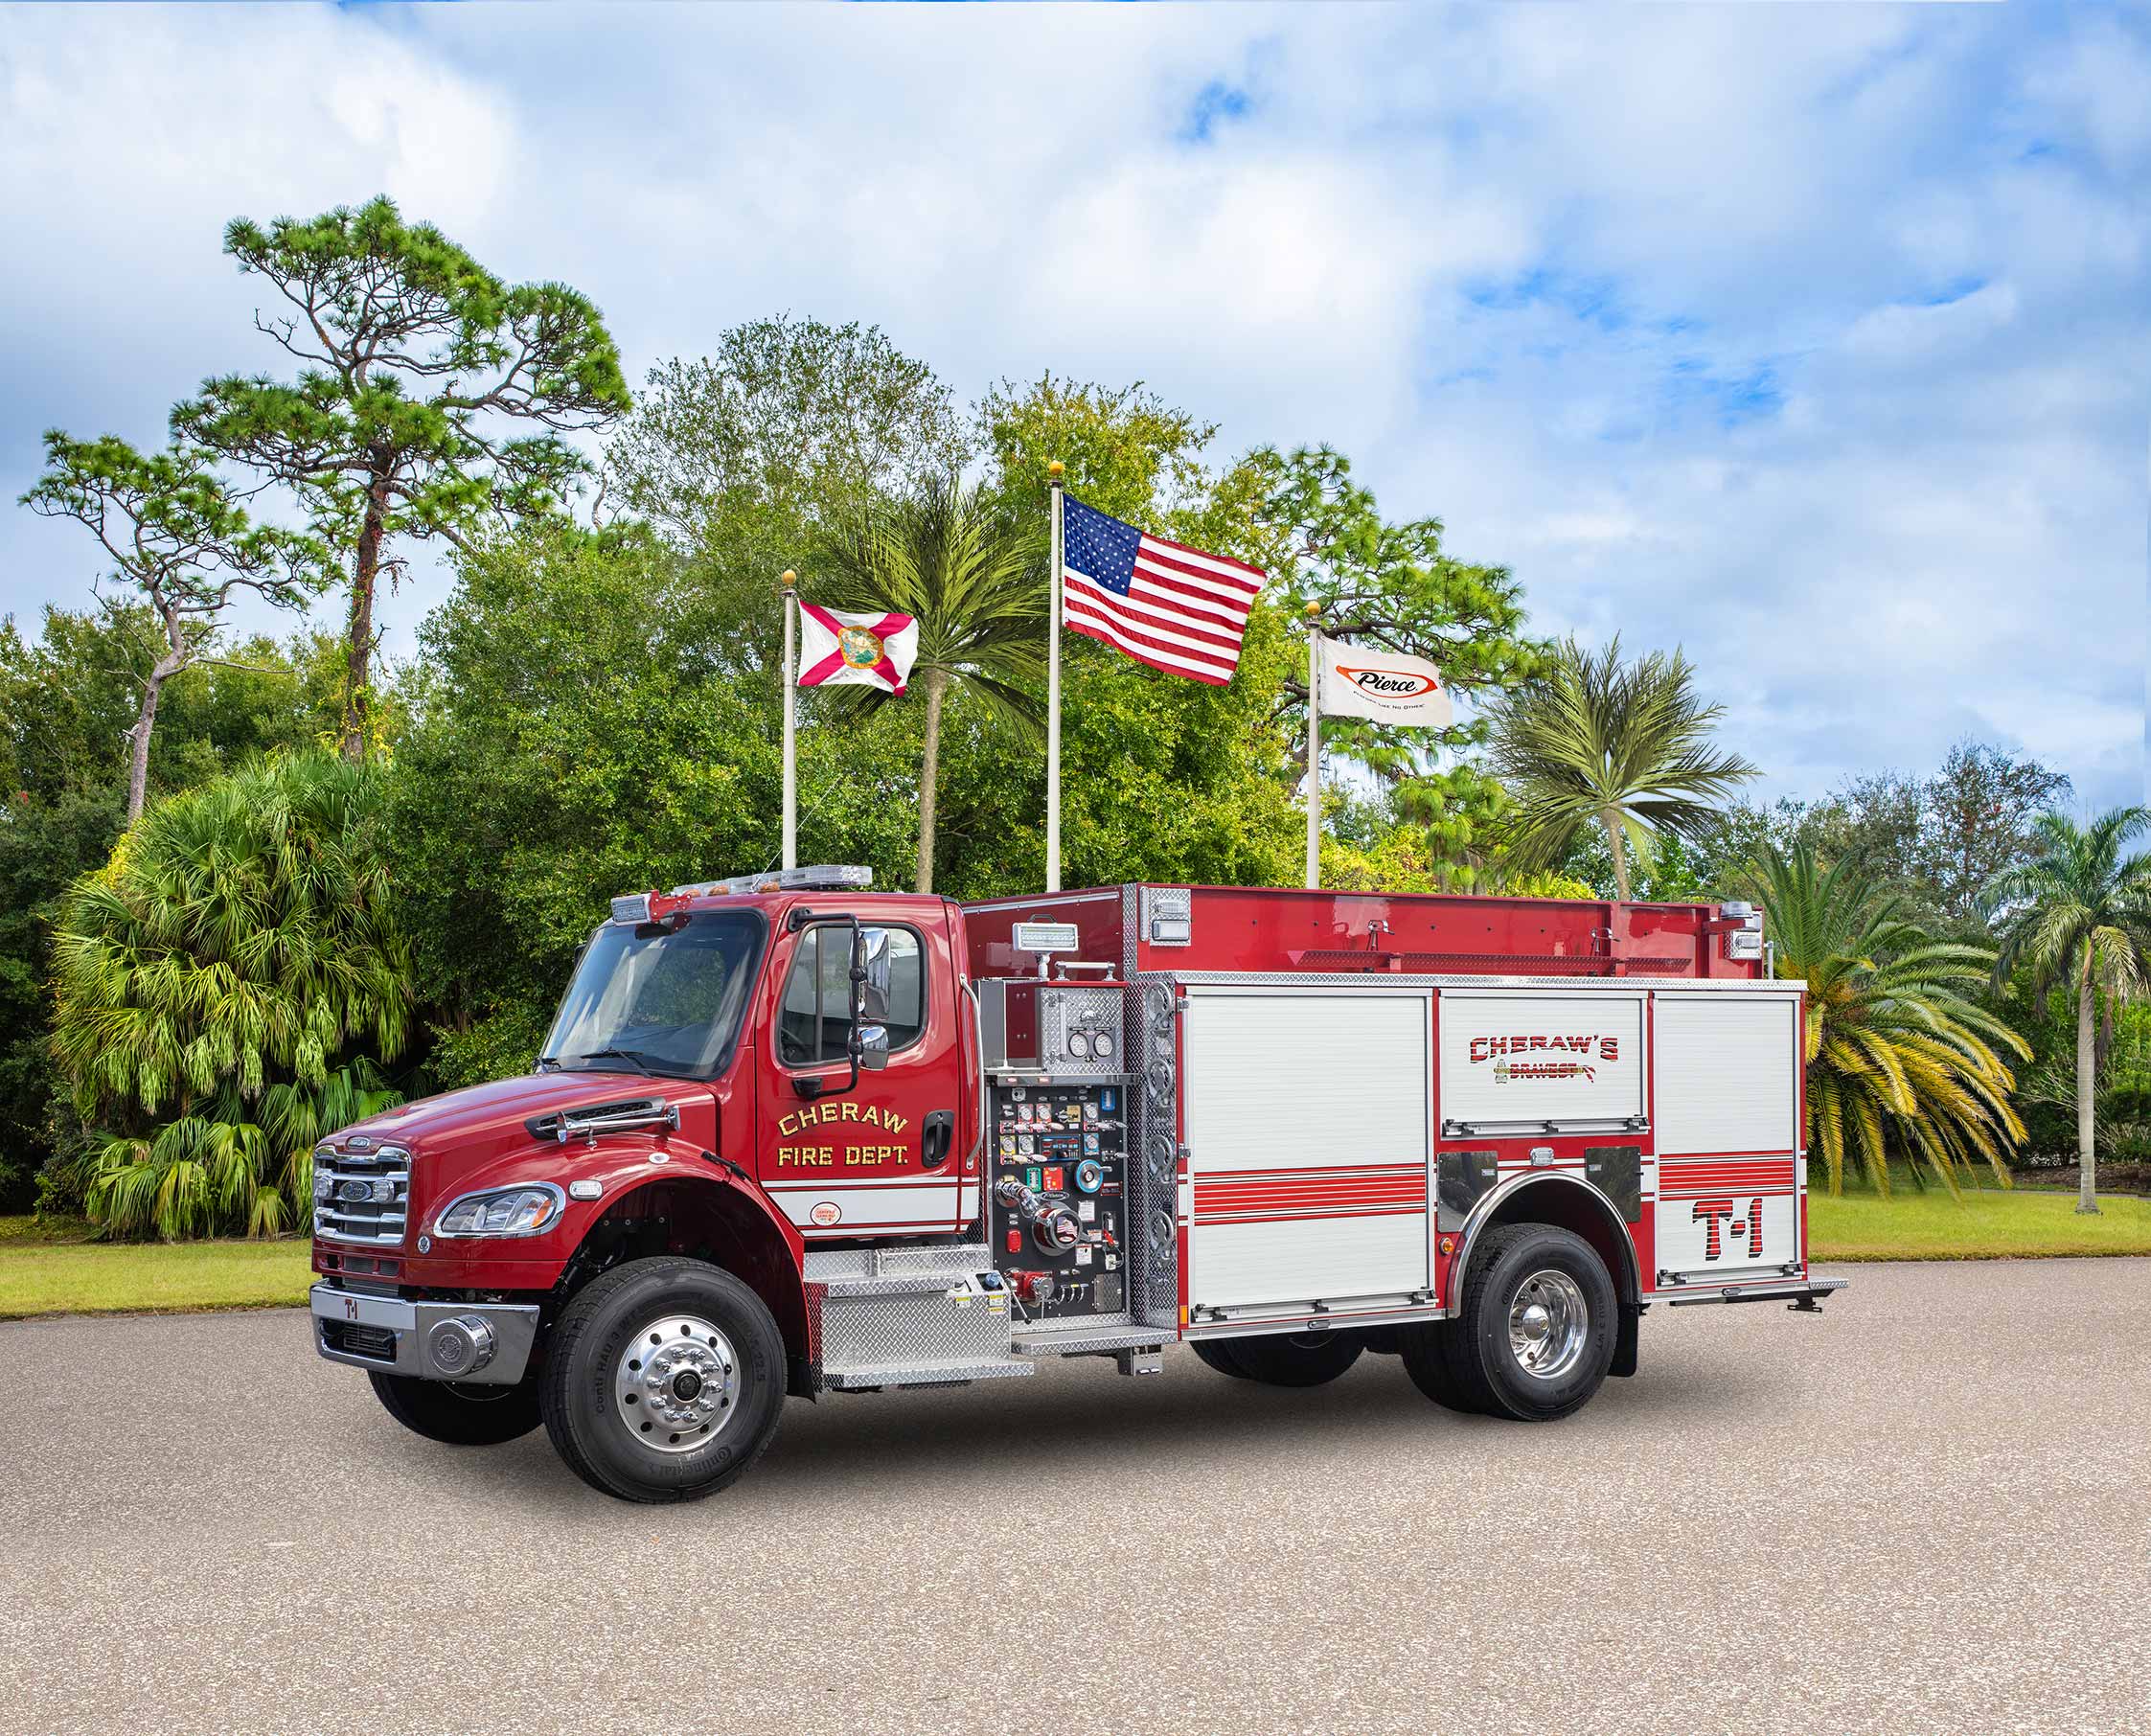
pixel 791 1136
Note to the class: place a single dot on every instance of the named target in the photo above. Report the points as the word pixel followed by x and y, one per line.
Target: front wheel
pixel 1535 1335
pixel 664 1380
pixel 462 1413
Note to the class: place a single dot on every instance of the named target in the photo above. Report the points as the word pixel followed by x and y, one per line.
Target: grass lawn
pixel 49 1271
pixel 1987 1223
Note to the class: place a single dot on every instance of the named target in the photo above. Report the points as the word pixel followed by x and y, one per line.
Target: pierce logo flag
pixel 1386 686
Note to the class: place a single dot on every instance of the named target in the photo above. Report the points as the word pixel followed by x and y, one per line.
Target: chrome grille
pixel 353 1208
pixel 375 1341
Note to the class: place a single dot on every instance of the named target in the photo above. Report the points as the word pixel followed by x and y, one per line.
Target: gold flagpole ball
pixel 789 579
pixel 1054 470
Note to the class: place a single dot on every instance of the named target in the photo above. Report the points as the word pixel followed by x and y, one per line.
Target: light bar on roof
pixel 825 877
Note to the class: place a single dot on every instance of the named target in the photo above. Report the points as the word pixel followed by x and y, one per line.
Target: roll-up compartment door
pixel 1531 1058
pixel 1308 1122
pixel 1727 1111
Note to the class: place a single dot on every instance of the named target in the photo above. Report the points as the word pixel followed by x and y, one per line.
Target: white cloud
pixel 1812 340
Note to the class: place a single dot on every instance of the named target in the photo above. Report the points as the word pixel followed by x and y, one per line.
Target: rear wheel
pixel 462 1413
pixel 1213 1355
pixel 1535 1333
pixel 664 1380
pixel 1425 1350
pixel 1300 1359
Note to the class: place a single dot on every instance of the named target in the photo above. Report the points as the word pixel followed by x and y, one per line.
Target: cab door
pixel 881 1157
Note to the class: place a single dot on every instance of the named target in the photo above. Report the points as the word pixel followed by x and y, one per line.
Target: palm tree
pixel 2079 914
pixel 1623 747
pixel 979 591
pixel 1897 1050
pixel 223 989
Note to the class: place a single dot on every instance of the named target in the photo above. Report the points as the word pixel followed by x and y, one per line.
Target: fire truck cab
pixel 793 1136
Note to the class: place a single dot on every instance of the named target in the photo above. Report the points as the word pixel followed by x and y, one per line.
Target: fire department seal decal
pixel 858 647
pixel 827 1212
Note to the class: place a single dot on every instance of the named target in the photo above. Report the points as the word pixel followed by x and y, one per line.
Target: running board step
pixel 1082 1339
pixel 852 1274
pixel 925 1374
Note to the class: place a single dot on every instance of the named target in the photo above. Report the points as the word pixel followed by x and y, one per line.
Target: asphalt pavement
pixel 1927 1510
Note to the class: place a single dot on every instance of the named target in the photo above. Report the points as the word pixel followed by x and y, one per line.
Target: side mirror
pixel 871 971
pixel 870 999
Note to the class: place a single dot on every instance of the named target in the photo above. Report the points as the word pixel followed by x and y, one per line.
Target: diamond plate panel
pixel 910 1330
pixel 1168 916
pixel 950 1260
pixel 1153 1154
pixel 928 1374
pixel 1064 1009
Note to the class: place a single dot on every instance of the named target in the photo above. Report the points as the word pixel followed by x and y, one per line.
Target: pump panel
pixel 1057 1198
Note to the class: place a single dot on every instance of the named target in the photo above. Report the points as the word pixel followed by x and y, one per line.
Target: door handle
pixel 936 1137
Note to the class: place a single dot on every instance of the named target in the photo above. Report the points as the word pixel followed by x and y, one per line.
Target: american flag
pixel 1161 602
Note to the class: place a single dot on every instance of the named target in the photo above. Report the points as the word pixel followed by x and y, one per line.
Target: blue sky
pixel 1814 340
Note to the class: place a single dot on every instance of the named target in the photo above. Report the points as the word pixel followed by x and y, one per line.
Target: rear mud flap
pixel 1625 1340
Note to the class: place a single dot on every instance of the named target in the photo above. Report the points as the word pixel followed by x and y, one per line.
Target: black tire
pixel 1300 1359
pixel 595 1343
pixel 461 1413
pixel 1425 1350
pixel 1487 1371
pixel 1213 1355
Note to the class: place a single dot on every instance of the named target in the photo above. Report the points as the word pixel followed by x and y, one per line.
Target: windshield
pixel 662 997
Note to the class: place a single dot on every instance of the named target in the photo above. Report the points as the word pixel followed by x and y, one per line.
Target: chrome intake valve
pixel 1053 1226
pixel 1055 1229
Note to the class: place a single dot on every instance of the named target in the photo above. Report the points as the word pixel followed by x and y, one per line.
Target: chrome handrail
pixel 625 1121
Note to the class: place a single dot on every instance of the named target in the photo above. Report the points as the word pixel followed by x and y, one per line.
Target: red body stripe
pixel 1383 1211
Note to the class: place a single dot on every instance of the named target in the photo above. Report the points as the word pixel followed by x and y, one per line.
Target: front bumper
pixel 391 1336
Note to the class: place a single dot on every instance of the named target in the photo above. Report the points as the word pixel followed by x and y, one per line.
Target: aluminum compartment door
pixel 1729 1174
pixel 1523 1059
pixel 1309 1126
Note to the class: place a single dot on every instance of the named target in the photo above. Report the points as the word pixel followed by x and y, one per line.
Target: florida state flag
pixel 837 648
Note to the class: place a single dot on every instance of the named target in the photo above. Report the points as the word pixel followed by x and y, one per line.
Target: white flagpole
pixel 1314 749
pixel 1053 699
pixel 791 584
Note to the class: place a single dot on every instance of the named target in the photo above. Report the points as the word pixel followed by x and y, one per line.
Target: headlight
pixel 515 1211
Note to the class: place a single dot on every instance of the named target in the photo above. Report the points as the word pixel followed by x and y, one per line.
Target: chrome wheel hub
pixel 1549 1324
pixel 677 1383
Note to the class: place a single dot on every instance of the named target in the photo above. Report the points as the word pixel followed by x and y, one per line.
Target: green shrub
pixel 227 989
